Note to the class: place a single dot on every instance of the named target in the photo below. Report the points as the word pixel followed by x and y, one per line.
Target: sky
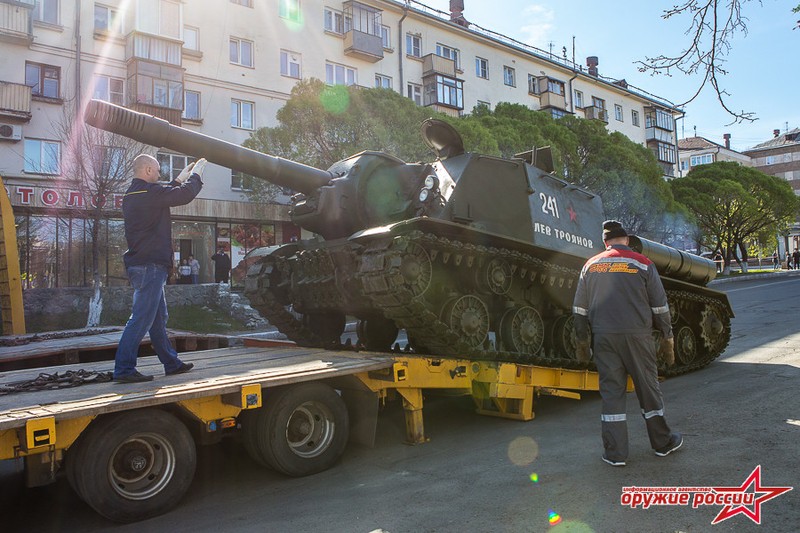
pixel 763 75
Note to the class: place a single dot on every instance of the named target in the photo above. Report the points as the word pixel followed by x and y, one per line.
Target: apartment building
pixel 780 156
pixel 225 70
pixel 695 151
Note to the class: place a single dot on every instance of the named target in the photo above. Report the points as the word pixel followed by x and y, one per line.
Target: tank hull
pixel 456 291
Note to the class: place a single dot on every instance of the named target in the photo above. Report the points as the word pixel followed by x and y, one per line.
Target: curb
pixel 746 277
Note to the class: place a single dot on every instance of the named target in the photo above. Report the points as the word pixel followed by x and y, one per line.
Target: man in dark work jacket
pixel 148 231
pixel 620 295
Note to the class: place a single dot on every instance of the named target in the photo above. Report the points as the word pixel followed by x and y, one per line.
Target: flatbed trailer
pixel 129 450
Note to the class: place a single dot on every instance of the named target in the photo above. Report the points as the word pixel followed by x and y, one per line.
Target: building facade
pixel 225 71
pixel 695 151
pixel 780 156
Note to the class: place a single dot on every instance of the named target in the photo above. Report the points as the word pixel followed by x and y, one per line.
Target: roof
pixel 696 143
pixel 791 137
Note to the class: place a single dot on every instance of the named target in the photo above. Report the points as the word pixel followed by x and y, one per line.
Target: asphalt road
pixel 477 473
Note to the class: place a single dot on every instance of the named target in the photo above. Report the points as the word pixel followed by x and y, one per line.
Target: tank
pixel 474 256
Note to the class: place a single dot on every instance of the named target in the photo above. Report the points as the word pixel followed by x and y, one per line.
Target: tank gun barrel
pixel 154 131
pixel 674 263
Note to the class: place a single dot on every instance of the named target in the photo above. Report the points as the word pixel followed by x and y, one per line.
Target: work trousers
pixel 149 315
pixel 616 357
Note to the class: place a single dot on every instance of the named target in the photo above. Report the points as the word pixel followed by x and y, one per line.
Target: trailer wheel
pixel 134 465
pixel 301 430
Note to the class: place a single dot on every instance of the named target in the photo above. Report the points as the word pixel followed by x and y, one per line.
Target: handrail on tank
pixel 154 131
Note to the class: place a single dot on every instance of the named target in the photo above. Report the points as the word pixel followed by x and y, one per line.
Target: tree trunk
pixel 96 302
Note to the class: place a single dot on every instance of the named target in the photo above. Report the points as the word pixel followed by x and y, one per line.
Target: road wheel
pixel 134 465
pixel 301 430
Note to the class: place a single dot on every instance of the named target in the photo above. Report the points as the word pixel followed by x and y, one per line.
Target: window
pixel 241 181
pixel 413 45
pixel 383 82
pixel 557 113
pixel 191 110
pixel 665 152
pixel 509 76
pixel 484 104
pixel 555 86
pixel 44 80
pixel 154 91
pixel 660 119
pixel 770 160
pixel 42 157
pixel 337 22
pixel 109 89
pixel 290 64
pixel 159 17
pixel 44 10
pixel 191 38
pixel 245 3
pixel 242 114
pixel 598 102
pixel 340 74
pixel 444 91
pixel 289 9
pixel 108 161
pixel 533 84
pixel 172 164
pixel 241 52
pixel 684 166
pixel 107 19
pixel 618 112
pixel 386 36
pixel 482 68
pixel 448 52
pixel 578 99
pixel 704 159
pixel 635 117
pixel 414 92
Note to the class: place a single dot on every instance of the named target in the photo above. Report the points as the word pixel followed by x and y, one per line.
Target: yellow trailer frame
pixel 11 308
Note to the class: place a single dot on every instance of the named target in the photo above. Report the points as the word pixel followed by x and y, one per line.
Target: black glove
pixel 583 350
pixel 666 350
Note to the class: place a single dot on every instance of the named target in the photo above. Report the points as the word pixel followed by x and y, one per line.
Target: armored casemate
pixel 474 256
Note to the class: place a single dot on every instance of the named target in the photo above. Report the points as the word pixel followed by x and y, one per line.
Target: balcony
pixel 596 113
pixel 15 101
pixel 550 99
pixel 433 64
pixel 156 89
pixel 657 134
pixel 363 46
pixel 154 48
pixel 16 23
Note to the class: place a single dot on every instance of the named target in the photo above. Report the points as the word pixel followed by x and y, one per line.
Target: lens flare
pixel 335 99
pixel 535 477
pixel 553 517
pixel 523 451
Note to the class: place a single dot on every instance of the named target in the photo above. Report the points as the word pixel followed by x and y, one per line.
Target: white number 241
pixel 549 205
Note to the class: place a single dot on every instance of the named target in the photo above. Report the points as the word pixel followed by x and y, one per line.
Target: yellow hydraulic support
pixel 506 390
pixel 11 308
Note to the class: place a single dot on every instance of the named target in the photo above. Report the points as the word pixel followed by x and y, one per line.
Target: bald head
pixel 146 167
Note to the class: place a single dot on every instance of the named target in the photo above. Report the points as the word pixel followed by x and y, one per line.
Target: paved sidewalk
pixel 759 275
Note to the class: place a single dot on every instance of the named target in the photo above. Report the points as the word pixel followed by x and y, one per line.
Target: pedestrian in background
pixel 184 273
pixel 148 260
pixel 796 258
pixel 621 298
pixel 776 265
pixel 222 266
pixel 195 266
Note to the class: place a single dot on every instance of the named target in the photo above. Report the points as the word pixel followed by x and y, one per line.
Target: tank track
pixel 383 283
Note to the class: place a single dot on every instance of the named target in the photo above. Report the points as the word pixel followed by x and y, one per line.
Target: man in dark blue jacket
pixel 620 295
pixel 148 231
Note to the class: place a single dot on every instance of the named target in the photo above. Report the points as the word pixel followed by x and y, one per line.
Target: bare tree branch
pixel 714 25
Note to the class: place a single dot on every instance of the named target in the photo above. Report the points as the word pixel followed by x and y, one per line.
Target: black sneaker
pixel 184 368
pixel 675 442
pixel 136 377
pixel 612 462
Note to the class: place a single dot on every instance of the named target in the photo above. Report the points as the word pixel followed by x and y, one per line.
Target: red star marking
pixel 573 216
pixel 753 514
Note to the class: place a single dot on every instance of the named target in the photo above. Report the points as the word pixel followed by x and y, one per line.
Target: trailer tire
pixel 134 465
pixel 301 430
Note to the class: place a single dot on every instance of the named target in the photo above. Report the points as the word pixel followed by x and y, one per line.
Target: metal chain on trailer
pixel 65 380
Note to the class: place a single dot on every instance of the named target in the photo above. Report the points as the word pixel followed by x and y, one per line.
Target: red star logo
pixel 573 216
pixel 754 514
